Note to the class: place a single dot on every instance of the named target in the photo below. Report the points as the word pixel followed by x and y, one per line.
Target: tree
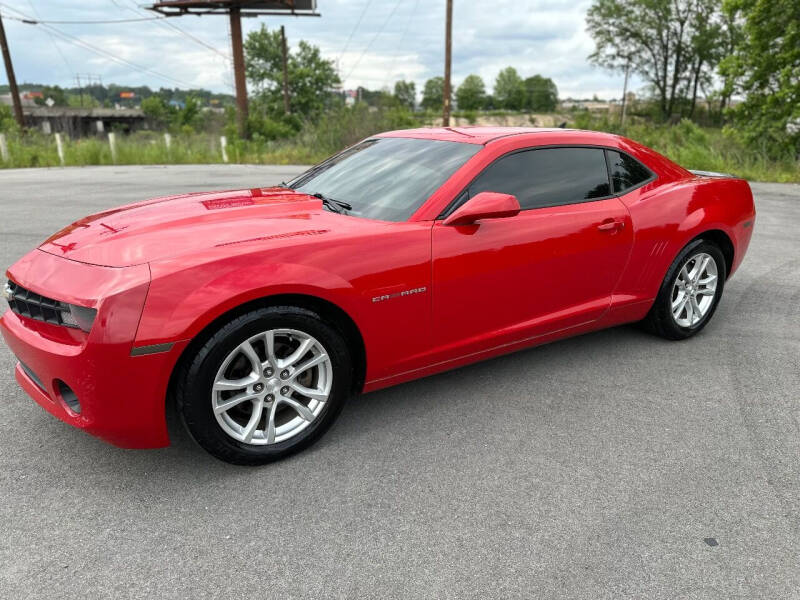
pixel 471 94
pixel 377 98
pixel 188 117
pixel 654 36
pixel 766 66
pixel 55 92
pixel 156 109
pixel 509 89
pixel 541 94
pixel 731 36
pixel 406 93
pixel 433 94
pixel 311 77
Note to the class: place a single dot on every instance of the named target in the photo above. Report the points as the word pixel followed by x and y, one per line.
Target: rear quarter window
pixel 626 172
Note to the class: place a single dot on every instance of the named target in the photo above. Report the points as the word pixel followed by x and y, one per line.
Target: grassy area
pixel 702 148
pixel 151 148
pixel 689 145
pixel 313 143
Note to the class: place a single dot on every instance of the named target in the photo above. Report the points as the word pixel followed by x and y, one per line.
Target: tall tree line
pixel 511 92
pixel 676 46
pixel 683 49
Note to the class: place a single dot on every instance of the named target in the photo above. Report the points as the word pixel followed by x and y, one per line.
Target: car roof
pixel 484 135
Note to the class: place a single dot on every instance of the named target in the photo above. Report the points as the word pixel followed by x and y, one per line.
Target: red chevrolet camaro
pixel 260 311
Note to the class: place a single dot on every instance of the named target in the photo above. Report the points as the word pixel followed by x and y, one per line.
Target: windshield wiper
pixel 336 206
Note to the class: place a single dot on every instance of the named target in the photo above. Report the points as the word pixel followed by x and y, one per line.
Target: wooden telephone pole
pixel 235 9
pixel 238 70
pixel 12 80
pixel 448 43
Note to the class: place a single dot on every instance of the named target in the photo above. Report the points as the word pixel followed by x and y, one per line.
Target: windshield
pixel 385 178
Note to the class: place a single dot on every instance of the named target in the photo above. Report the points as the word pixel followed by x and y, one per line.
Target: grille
pixel 29 304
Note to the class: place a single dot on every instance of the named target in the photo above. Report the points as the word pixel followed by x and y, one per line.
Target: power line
pixel 99 51
pixel 197 40
pixel 355 27
pixel 400 43
pixel 162 21
pixel 53 40
pixel 100 22
pixel 136 10
pixel 372 41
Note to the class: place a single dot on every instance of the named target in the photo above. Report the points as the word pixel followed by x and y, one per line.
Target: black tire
pixel 660 320
pixel 195 381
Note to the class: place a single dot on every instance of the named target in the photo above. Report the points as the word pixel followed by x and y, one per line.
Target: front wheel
pixel 690 292
pixel 266 385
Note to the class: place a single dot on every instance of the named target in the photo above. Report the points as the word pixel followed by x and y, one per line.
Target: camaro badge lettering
pixel 410 292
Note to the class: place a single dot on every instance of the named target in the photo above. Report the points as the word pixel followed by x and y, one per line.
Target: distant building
pixel 80 122
pixel 26 99
pixel 591 105
pixel 350 97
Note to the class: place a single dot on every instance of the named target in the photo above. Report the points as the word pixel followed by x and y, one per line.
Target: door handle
pixel 611 225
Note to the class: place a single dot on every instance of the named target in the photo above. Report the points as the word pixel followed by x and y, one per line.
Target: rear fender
pixel 668 219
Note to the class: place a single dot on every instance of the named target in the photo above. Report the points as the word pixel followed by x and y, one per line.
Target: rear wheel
pixel 690 292
pixel 267 384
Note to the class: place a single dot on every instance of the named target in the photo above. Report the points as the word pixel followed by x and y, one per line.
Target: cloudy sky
pixel 373 42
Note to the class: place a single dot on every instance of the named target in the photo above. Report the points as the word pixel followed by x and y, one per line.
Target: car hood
pixel 174 225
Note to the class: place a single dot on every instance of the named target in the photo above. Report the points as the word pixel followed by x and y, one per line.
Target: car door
pixel 552 267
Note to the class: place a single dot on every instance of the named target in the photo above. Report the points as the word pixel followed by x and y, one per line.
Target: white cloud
pixel 534 36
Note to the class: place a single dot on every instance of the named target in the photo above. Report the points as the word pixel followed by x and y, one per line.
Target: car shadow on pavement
pixel 448 408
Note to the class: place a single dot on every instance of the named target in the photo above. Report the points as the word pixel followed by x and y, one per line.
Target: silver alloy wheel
pixel 694 290
pixel 272 386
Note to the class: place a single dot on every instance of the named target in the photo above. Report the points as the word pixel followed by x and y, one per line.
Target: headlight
pixel 77 316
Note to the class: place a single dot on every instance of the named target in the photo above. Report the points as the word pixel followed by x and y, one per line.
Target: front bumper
pixel 122 397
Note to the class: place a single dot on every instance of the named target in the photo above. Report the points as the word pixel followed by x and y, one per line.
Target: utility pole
pixel 625 94
pixel 235 9
pixel 238 69
pixel 80 88
pixel 448 38
pixel 12 81
pixel 285 72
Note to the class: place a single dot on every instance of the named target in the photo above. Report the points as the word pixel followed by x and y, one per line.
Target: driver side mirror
pixel 486 205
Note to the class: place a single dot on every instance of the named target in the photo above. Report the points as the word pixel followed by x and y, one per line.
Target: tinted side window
pixel 626 172
pixel 547 177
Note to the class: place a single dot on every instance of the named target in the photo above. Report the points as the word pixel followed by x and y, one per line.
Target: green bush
pixel 7 122
pixel 266 128
pixel 345 126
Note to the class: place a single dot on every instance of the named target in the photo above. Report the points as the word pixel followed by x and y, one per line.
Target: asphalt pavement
pixel 612 465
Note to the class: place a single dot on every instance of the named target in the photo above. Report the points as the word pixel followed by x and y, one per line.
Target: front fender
pixel 181 303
